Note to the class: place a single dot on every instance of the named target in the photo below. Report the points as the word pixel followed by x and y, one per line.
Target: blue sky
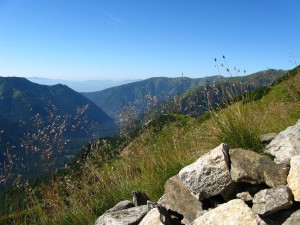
pixel 137 39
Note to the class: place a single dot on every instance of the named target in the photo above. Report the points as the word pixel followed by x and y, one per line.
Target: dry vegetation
pixel 157 153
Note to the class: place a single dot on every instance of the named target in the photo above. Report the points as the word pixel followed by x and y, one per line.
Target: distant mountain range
pixel 198 100
pixel 81 86
pixel 114 100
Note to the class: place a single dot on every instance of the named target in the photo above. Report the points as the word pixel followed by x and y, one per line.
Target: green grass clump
pixel 234 126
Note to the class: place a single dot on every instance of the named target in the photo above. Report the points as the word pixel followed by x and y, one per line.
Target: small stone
pixel 128 216
pixel 234 212
pixel 272 200
pixel 245 196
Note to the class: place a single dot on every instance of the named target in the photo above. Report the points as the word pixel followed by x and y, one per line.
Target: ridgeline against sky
pixel 134 39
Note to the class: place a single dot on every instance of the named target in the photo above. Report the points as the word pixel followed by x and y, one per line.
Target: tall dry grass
pixel 240 124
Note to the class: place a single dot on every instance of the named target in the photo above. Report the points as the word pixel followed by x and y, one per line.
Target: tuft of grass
pixel 266 110
pixel 235 127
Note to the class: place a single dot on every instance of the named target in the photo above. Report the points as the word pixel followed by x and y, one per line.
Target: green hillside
pixel 108 171
pixel 114 100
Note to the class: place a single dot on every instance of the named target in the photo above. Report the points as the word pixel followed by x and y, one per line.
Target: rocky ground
pixel 225 186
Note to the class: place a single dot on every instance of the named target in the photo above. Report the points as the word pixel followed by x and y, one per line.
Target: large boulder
pixel 251 167
pixel 209 175
pixel 234 212
pixel 286 144
pixel 272 200
pixel 130 216
pixel 294 177
pixel 179 198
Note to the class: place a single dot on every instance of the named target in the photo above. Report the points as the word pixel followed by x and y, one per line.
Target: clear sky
pixel 137 39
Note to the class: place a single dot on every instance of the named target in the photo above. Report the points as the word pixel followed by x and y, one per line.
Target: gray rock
pixel 120 206
pixel 245 196
pixel 294 177
pixel 209 175
pixel 294 219
pixel 234 212
pixel 272 200
pixel 251 167
pixel 130 216
pixel 286 144
pixel 151 205
pixel 178 197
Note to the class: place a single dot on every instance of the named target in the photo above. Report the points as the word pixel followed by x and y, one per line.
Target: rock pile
pixel 225 186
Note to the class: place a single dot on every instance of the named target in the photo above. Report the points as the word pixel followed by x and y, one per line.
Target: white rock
pixel 123 217
pixel 286 144
pixel 234 212
pixel 209 175
pixel 294 177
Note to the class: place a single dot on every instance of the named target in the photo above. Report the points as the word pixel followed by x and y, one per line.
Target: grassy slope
pixel 112 100
pixel 159 153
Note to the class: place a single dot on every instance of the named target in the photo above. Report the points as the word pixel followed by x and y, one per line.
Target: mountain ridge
pixel 113 100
